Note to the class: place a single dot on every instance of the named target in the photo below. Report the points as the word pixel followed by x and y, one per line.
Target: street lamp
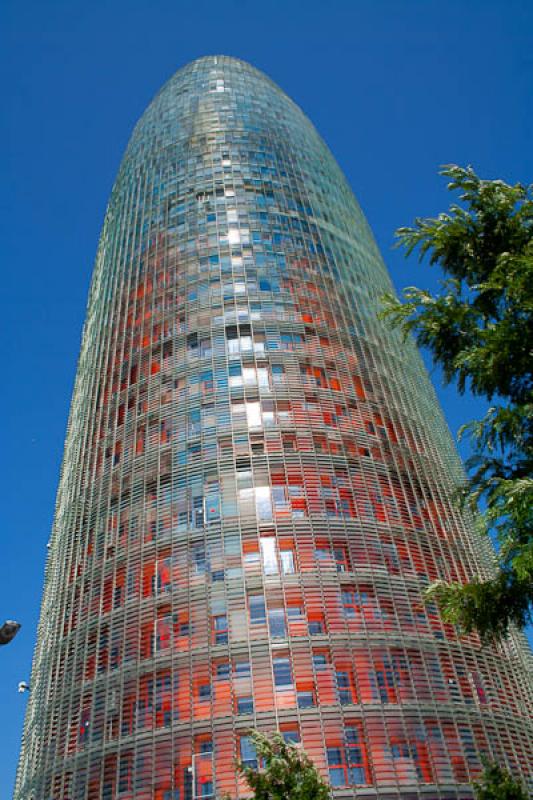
pixel 8 631
pixel 193 772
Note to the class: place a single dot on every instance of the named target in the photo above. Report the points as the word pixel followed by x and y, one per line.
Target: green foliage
pixel 498 784
pixel 479 329
pixel 286 772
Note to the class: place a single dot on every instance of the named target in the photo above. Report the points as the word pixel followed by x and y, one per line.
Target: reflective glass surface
pixel 256 489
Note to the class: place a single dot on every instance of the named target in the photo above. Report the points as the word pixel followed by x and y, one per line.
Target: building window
pixel 276 623
pixel 198 511
pixel 322 554
pixel 244 477
pixel 320 662
pixel 469 747
pixel 355 756
pixel 477 683
pixel 306 699
pixel 337 495
pixel 256 603
pixel 341 559
pixel 248 753
pixel 163 633
pixel 282 673
pixel 232 337
pixel 257 444
pixel 209 419
pixel 245 705
pixel 316 376
pixel 163 701
pixel 85 721
pixel 212 502
pixel 289 442
pixel 352 602
pixel 280 499
pixel 220 628
pixel 259 343
pixel 336 766
pixel 223 671
pixel 267 408
pixel 269 555
pixel 204 692
pixel 206 381
pixel 194 422
pixel 241 669
pixel 278 374
pixel 235 375
pixel 200 561
pixel 287 561
pixel 125 773
pixel 250 376
pixel 384 680
pixel 163 575
pixel 297 499
pixel 295 612
pixel 239 341
pixel 407 752
pixel 263 506
pixel 253 414
pixel 347 763
pixel 344 688
pixel 291 735
pixel 316 625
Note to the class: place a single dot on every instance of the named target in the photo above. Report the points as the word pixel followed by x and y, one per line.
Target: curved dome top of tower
pixel 217 99
pixel 216 84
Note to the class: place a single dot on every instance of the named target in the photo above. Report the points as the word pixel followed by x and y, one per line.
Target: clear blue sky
pixel 396 88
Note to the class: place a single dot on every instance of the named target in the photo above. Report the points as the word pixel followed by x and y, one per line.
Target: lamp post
pixel 192 770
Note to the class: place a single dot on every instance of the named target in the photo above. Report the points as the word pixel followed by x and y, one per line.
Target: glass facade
pixel 255 492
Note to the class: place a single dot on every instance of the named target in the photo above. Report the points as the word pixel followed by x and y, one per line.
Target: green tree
pixel 479 330
pixel 498 784
pixel 285 771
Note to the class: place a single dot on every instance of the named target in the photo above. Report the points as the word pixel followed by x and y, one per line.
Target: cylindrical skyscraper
pixel 255 490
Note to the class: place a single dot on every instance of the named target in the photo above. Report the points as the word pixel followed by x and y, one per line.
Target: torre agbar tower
pixel 255 492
